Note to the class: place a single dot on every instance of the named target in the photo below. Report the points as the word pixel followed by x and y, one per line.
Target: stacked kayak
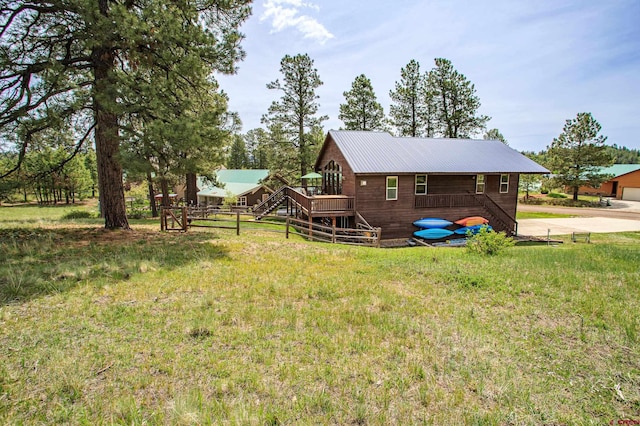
pixel 473 229
pixel 472 221
pixel 434 228
pixel 432 223
pixel 433 233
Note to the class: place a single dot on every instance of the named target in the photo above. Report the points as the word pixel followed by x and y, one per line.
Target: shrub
pixel 555 195
pixel 488 242
pixel 566 202
pixel 138 213
pixel 78 214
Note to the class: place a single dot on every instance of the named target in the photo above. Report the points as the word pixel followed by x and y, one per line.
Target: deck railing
pixel 332 204
pixel 310 206
pixel 445 200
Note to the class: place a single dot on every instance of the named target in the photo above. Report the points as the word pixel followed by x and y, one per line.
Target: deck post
pixel 237 223
pixel 333 229
pixel 286 228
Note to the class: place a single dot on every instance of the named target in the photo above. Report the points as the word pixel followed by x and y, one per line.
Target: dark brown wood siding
pixel 396 217
pixel 331 152
pixel 256 198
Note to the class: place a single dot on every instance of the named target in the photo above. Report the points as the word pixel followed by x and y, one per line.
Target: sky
pixel 534 64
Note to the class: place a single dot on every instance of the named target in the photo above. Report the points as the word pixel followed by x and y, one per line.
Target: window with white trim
pixel 479 184
pixel 421 184
pixel 392 187
pixel 242 201
pixel 504 184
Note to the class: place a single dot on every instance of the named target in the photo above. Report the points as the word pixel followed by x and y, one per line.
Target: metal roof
pixel 236 181
pixel 376 152
pixel 242 175
pixel 619 169
pixel 233 188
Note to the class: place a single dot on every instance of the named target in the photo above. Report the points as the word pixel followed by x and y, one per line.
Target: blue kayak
pixel 432 222
pixel 433 233
pixel 473 229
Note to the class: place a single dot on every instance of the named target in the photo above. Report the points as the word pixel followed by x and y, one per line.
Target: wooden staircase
pixel 498 216
pixel 308 206
pixel 274 201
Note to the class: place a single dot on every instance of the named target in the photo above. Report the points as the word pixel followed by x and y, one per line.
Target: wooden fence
pixel 182 218
pixel 331 234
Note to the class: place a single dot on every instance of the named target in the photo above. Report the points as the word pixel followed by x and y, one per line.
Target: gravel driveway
pixel 621 216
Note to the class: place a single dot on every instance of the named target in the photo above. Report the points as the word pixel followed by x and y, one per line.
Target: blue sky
pixel 534 64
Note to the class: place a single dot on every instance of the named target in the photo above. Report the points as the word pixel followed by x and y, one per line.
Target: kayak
pixel 472 220
pixel 474 229
pixel 433 233
pixel 432 222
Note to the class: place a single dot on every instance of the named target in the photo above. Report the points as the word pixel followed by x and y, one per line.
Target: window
pixel 479 184
pixel 392 187
pixel 242 201
pixel 421 184
pixel 504 184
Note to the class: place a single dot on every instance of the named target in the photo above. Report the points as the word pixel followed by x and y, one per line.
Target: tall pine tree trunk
pixel 164 186
pixel 192 190
pixel 110 185
pixel 152 196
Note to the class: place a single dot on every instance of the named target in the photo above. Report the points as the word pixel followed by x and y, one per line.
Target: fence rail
pixel 197 217
pixel 330 234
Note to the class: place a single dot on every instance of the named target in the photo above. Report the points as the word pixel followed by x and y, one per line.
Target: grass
pixel 541 215
pixel 207 327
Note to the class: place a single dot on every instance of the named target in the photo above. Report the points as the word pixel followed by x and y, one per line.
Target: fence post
pixel 184 219
pixel 237 223
pixel 379 237
pixel 286 232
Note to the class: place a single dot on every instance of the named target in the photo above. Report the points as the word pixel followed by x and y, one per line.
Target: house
pixel 624 185
pixel 390 182
pixel 245 185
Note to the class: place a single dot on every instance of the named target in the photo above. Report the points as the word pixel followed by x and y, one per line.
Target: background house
pixel 624 185
pixel 245 185
pixel 395 181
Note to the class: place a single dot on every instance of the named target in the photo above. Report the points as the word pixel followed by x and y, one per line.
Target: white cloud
pixel 286 14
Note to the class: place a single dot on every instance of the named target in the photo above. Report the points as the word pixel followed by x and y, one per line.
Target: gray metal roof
pixel 375 152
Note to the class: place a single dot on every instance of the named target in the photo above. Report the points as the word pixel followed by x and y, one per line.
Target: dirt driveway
pixel 621 216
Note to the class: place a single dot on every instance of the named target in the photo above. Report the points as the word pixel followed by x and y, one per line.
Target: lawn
pixel 208 327
pixel 541 215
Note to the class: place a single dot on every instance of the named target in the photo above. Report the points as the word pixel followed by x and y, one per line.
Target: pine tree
pixel 237 154
pixel 409 111
pixel 578 154
pixel 361 110
pixel 494 134
pixel 456 102
pixel 61 59
pixel 295 113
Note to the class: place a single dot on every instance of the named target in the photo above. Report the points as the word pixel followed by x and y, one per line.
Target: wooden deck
pixel 310 206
